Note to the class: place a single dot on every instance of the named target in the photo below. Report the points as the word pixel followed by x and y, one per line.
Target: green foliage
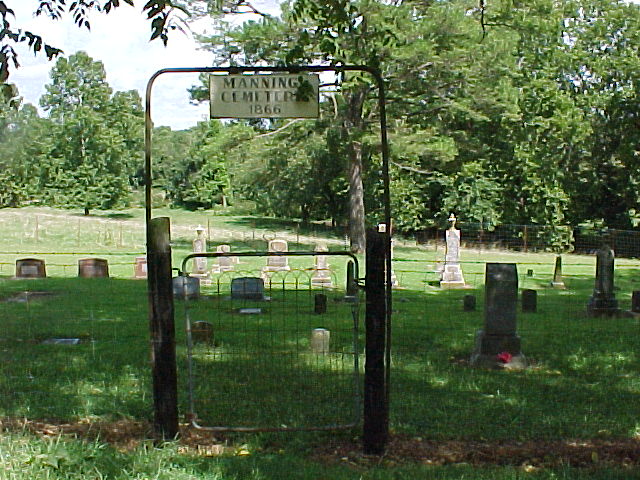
pixel 87 165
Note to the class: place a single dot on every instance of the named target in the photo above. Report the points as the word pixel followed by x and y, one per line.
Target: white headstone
pixel 452 272
pixel 321 276
pixel 200 246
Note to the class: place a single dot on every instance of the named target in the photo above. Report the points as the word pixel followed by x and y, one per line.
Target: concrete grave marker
pixel 603 301
pixel 320 338
pixel 499 334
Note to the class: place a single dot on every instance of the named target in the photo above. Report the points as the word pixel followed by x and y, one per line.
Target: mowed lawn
pixel 84 410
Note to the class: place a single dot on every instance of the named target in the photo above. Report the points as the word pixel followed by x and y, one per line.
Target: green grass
pixel 582 385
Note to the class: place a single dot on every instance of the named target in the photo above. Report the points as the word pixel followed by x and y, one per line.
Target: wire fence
pixel 76 349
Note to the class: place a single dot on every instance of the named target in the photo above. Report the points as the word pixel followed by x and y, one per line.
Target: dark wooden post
pixel 161 323
pixel 376 411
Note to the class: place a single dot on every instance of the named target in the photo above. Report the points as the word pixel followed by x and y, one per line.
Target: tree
pixel 88 164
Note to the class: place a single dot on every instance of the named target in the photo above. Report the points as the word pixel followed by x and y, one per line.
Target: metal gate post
pixel 376 408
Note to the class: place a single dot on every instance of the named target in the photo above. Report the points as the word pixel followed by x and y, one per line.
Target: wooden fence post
pixel 376 408
pixel 162 329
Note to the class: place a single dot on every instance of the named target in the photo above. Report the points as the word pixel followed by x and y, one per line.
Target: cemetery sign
pixel 264 96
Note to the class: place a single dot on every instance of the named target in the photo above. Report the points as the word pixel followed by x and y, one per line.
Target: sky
pixel 120 40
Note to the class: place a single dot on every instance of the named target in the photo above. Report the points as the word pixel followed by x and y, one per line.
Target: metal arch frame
pixel 375 73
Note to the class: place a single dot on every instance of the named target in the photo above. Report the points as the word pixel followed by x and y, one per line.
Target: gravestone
pixel 199 246
pixel 320 338
pixel 320 303
pixel 93 268
pixel 499 334
pixel 529 301
pixel 321 276
pixel 276 263
pixel 186 287
pixel 469 303
pixel 603 300
pixel 558 280
pixel 30 268
pixel 635 301
pixel 451 271
pixel 202 332
pixel 224 263
pixel 247 288
pixel 140 268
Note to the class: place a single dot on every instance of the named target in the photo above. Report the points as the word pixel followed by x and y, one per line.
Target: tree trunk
pixel 356 199
pixel 353 127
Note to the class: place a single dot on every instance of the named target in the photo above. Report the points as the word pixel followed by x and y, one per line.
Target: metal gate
pixel 273 342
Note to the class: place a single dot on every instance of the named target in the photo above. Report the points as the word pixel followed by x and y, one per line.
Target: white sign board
pixel 264 96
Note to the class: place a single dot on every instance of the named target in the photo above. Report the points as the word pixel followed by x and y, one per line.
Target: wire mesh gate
pixel 273 348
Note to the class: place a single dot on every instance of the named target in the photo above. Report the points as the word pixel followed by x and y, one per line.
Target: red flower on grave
pixel 504 357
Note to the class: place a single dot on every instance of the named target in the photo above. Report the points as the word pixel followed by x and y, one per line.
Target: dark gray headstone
pixel 500 307
pixel 603 301
pixel 635 301
pixel 247 288
pixel 558 280
pixel 529 301
pixel 320 303
pixel 469 303
pixel 186 287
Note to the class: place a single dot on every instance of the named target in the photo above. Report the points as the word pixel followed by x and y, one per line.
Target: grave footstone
pixel 247 288
pixel 451 271
pixel 529 301
pixel 30 268
pixel 558 280
pixel 93 268
pixel 498 341
pixel 603 300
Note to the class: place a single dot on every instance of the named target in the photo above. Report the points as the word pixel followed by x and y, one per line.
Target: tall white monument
pixel 452 272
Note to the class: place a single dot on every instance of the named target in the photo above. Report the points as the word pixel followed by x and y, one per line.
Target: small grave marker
pixel 469 303
pixel 202 332
pixel 321 276
pixel 529 301
pixel 320 338
pixel 140 268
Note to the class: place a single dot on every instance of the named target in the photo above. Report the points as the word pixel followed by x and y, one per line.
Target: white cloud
pixel 120 40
